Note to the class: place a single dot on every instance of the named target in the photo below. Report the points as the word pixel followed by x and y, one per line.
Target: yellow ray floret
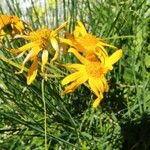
pixel 42 40
pixel 92 71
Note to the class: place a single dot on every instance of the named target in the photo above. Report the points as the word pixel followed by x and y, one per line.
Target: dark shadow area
pixel 114 99
pixel 79 100
pixel 136 134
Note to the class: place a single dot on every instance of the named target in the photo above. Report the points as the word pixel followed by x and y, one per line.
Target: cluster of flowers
pixel 91 52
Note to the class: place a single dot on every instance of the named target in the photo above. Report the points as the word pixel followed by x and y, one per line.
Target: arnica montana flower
pixel 44 40
pixel 11 23
pixel 91 70
pixel 86 43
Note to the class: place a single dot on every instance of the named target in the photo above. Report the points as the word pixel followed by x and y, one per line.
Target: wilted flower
pixel 42 40
pixel 11 24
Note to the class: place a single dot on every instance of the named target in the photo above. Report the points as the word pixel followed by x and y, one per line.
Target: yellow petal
pixel 4 20
pixel 103 43
pixel 115 56
pixel 74 66
pixel 34 52
pixel 21 36
pixel 77 32
pixel 44 60
pixel 102 50
pixel 19 26
pixel 32 71
pixel 93 87
pixel 56 47
pixel 59 28
pixel 2 33
pixel 75 84
pixel 80 30
pixel 71 77
pixel 67 41
pixel 99 84
pixel 79 57
pixel 23 48
pixel 81 25
pixel 97 101
pixel 101 54
pixel 113 59
pixel 54 43
pixel 105 84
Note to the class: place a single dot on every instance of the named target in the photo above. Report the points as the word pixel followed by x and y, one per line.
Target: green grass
pixel 121 122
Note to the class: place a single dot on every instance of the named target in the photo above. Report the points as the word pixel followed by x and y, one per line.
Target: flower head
pixel 42 40
pixel 13 22
pixel 86 43
pixel 91 70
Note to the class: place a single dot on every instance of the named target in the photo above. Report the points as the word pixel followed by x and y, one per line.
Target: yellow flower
pixel 86 43
pixel 15 23
pixel 44 40
pixel 90 70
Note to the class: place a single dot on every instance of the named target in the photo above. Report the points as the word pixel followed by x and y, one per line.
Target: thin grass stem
pixel 44 104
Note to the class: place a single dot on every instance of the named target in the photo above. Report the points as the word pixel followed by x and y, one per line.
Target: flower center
pixel 42 37
pixel 4 20
pixel 95 69
pixel 88 42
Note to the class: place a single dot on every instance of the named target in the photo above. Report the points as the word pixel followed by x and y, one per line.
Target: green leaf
pixel 147 61
pixel 128 75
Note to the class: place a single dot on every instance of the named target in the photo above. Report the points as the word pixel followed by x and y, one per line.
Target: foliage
pixel 122 121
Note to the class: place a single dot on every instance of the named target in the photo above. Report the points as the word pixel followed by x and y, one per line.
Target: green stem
pixel 10 62
pixel 45 128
